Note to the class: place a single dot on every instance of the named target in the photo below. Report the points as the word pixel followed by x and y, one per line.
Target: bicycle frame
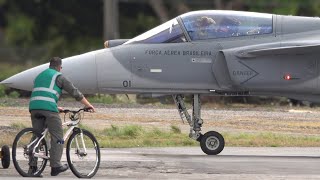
pixel 72 125
pixel 35 148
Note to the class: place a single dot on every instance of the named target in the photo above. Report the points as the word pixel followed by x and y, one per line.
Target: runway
pixel 191 163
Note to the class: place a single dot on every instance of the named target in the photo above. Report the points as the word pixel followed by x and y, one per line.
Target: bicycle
pixel 83 151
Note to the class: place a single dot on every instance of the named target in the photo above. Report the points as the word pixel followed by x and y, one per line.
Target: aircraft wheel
pixel 5 154
pixel 212 143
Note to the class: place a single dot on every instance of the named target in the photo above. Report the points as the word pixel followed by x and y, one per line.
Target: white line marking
pixel 156 70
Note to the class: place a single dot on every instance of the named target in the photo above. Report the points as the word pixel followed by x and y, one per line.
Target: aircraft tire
pixel 212 143
pixel 5 153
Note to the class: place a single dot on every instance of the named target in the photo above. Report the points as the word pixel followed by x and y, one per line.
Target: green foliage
pixel 113 131
pixel 88 128
pixel 64 48
pixel 132 130
pixel 14 94
pixel 105 99
pixel 20 30
pixel 18 126
pixel 37 30
pixel 270 139
pixel 285 7
pixel 59 28
pixel 110 99
pixel 7 70
pixel 2 91
pixel 175 129
pixel 126 131
pixel 156 132
pixel 136 136
pixel 138 24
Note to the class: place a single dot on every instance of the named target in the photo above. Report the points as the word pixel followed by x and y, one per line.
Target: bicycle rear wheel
pixel 83 154
pixel 23 159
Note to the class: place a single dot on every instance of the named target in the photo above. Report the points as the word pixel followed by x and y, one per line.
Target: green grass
pixel 110 99
pixel 175 129
pixel 2 91
pixel 137 136
pixel 126 131
pixel 18 126
pixel 105 99
pixel 269 139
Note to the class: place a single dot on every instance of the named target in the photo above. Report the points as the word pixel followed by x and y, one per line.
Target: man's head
pixel 55 63
pixel 205 21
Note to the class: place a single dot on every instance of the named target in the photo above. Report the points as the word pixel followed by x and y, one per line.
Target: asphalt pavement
pixel 191 163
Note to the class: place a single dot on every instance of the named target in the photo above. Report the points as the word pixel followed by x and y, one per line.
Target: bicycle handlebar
pixel 75 115
pixel 86 109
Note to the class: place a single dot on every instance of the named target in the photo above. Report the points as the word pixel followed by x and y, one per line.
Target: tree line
pixel 35 30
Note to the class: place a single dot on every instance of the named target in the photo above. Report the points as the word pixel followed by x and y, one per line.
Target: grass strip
pixel 137 136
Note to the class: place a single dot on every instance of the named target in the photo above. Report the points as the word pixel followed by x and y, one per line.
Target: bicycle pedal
pixel 38 155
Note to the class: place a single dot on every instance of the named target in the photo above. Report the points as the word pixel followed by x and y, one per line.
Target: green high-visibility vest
pixel 45 93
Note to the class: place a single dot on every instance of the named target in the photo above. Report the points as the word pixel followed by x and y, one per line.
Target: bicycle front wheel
pixel 24 160
pixel 83 154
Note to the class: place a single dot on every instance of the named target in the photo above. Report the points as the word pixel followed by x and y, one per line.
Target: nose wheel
pixel 212 143
pixel 5 156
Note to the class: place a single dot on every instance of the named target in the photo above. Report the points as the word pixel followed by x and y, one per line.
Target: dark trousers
pixel 42 119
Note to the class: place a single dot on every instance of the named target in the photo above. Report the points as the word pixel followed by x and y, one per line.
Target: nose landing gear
pixel 211 143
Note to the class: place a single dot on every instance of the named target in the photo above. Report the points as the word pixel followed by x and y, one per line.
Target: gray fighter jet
pixel 226 53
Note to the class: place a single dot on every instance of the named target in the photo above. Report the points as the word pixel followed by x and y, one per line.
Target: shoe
pixel 32 170
pixel 57 170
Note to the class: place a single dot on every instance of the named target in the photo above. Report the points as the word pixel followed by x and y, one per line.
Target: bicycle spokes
pixel 24 149
pixel 83 154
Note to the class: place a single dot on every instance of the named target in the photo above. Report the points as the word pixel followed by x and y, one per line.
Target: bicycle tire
pixel 83 165
pixel 5 154
pixel 18 149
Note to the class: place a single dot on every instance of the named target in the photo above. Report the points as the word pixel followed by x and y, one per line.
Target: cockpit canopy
pixel 201 25
pixel 169 32
pixel 210 24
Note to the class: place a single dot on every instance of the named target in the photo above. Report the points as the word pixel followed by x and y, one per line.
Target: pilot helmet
pixel 205 21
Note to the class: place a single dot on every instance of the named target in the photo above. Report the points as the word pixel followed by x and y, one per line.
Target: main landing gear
pixel 211 143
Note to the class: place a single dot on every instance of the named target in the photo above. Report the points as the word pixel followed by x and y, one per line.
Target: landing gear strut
pixel 212 143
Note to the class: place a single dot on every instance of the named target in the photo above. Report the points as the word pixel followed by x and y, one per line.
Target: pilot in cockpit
pixel 204 27
pixel 228 27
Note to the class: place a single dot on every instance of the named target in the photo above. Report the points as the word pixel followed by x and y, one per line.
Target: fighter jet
pixel 211 52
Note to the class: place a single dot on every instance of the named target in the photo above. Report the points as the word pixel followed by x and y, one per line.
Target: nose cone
pixel 24 80
pixel 80 70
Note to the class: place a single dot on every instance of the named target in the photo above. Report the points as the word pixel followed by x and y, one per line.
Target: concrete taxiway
pixel 191 163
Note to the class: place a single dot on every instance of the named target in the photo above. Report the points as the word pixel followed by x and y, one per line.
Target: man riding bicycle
pixel 44 110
